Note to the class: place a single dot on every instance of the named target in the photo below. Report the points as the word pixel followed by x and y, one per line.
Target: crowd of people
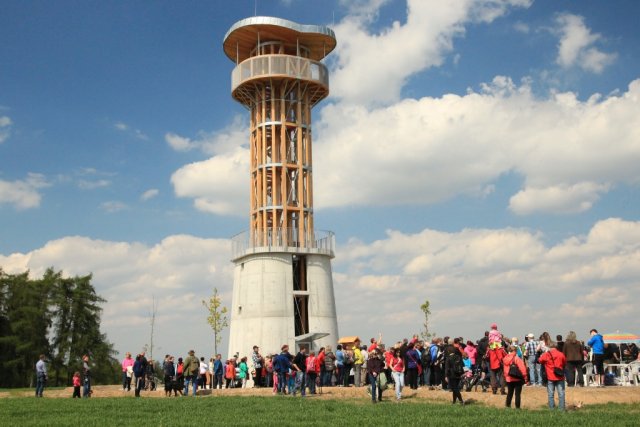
pixel 493 362
pixel 496 362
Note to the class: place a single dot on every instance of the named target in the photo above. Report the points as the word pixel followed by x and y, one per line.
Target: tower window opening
pixel 301 314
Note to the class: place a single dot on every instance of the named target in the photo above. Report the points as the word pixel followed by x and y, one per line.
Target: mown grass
pixel 286 411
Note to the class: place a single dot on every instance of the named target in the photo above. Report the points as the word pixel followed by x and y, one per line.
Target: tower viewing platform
pixel 279 78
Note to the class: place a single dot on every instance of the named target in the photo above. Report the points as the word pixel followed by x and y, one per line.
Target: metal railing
pixel 282 240
pixel 287 65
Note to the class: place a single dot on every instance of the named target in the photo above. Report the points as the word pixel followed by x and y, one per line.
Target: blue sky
pixel 479 154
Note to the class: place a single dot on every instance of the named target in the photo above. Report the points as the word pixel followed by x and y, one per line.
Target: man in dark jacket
pixel 138 373
pixel 300 368
pixel 375 365
pixel 281 366
pixel 454 369
pixel 218 372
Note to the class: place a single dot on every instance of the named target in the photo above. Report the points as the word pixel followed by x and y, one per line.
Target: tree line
pixel 56 316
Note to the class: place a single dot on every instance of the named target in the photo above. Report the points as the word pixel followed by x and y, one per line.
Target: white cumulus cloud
pixel 5 128
pixel 373 68
pixel 149 194
pixel 576 45
pixel 472 277
pixel 178 272
pixel 23 194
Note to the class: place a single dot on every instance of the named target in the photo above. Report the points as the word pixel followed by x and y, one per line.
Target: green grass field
pixel 285 411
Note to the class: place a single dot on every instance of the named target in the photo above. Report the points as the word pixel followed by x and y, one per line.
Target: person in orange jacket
pixel 514 382
pixel 495 356
pixel 554 363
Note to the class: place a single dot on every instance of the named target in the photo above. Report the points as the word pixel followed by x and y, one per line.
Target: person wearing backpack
pixel 453 371
pixel 515 374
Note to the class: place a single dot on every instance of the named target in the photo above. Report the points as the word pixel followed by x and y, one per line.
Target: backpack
pixel 425 358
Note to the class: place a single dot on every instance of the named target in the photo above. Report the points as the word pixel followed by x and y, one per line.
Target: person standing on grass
pixel 397 371
pixel 281 366
pixel 495 356
pixel 530 349
pixel 76 385
pixel 375 366
pixel 573 350
pixel 258 364
pixel 339 366
pixel 169 371
pixel 218 372
pixel 191 369
pixel 86 370
pixel 597 346
pixel 230 374
pixel 514 383
pixel 320 363
pixel 554 363
pixel 138 372
pixel 300 371
pixel 202 374
pixel 329 366
pixel 127 366
pixel 413 366
pixel 358 360
pixel 41 375
pixel 453 371
pixel 313 367
pixel 243 371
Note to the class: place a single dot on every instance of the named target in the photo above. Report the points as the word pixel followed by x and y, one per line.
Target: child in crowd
pixel 76 385
pixel 495 337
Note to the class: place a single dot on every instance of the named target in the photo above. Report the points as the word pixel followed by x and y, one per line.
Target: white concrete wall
pixel 322 305
pixel 262 306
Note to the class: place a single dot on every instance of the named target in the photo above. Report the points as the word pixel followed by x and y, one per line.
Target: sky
pixel 482 155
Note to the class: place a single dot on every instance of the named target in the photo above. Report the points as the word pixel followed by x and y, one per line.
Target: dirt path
pixel 532 397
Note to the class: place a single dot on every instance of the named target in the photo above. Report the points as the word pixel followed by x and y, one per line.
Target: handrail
pixel 282 240
pixel 277 64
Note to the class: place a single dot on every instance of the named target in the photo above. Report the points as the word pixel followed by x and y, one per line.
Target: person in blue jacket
pixel 282 365
pixel 597 346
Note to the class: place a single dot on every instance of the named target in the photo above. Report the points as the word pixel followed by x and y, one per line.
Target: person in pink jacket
pixel 514 382
pixel 127 369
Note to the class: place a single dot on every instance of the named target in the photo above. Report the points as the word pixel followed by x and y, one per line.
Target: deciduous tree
pixel 217 318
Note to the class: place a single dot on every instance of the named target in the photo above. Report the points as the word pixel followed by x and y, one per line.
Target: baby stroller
pixel 473 379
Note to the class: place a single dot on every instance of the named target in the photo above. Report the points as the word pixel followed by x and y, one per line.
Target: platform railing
pixel 283 65
pixel 282 240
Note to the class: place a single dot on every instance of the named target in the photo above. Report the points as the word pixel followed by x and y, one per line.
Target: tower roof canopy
pixel 243 36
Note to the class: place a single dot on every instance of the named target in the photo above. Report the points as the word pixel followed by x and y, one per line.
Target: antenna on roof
pixel 255 8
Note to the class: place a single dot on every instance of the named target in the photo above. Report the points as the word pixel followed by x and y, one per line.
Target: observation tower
pixel 283 287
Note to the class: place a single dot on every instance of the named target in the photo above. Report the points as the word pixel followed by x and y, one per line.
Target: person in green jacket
pixel 191 370
pixel 244 371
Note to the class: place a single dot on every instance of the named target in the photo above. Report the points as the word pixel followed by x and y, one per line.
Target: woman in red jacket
pixel 514 382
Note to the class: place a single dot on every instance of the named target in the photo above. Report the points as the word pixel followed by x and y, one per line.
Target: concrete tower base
pixel 282 298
